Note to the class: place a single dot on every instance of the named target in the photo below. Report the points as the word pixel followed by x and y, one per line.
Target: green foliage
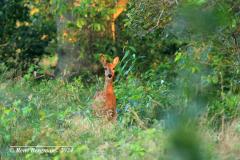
pixel 26 32
pixel 177 83
pixel 143 29
pixel 57 113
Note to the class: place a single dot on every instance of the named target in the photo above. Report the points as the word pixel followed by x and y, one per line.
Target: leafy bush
pixel 26 33
pixel 177 84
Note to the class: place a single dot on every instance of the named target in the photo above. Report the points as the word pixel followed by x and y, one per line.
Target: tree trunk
pixel 76 58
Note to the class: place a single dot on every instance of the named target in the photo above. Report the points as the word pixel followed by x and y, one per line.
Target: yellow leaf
pixel 44 37
pixel 42 115
pixel 26 24
pixel 18 24
pixel 65 33
pixel 18 51
pixel 34 11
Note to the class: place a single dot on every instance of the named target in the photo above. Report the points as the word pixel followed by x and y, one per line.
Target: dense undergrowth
pixel 151 124
pixel 177 83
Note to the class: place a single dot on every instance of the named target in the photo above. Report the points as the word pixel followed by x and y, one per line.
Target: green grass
pixel 57 113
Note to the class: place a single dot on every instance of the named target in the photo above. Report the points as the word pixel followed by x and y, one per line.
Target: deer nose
pixel 109 75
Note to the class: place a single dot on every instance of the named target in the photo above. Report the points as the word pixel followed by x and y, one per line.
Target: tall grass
pixel 57 113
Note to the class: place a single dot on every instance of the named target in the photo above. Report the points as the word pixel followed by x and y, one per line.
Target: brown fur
pixel 104 104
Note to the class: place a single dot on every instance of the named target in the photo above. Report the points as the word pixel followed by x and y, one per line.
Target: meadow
pixel 56 113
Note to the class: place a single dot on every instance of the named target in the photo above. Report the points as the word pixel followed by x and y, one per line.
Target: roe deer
pixel 104 104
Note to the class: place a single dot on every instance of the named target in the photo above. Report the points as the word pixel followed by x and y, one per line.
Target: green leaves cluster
pixel 25 33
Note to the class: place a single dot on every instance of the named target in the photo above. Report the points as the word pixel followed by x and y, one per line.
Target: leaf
pixel 178 57
pixel 26 110
pixel 81 22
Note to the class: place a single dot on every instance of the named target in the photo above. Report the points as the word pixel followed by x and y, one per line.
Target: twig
pixel 155 101
pixel 176 2
pixel 139 121
pixel 3 45
pixel 158 21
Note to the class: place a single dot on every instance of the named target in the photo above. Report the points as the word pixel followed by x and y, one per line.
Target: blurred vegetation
pixel 177 83
pixel 26 32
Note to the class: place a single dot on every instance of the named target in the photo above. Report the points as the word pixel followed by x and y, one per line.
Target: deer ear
pixel 103 59
pixel 115 61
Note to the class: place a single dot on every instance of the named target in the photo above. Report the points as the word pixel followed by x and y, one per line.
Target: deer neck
pixel 108 87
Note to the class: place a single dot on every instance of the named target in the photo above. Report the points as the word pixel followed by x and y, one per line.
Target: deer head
pixel 108 67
